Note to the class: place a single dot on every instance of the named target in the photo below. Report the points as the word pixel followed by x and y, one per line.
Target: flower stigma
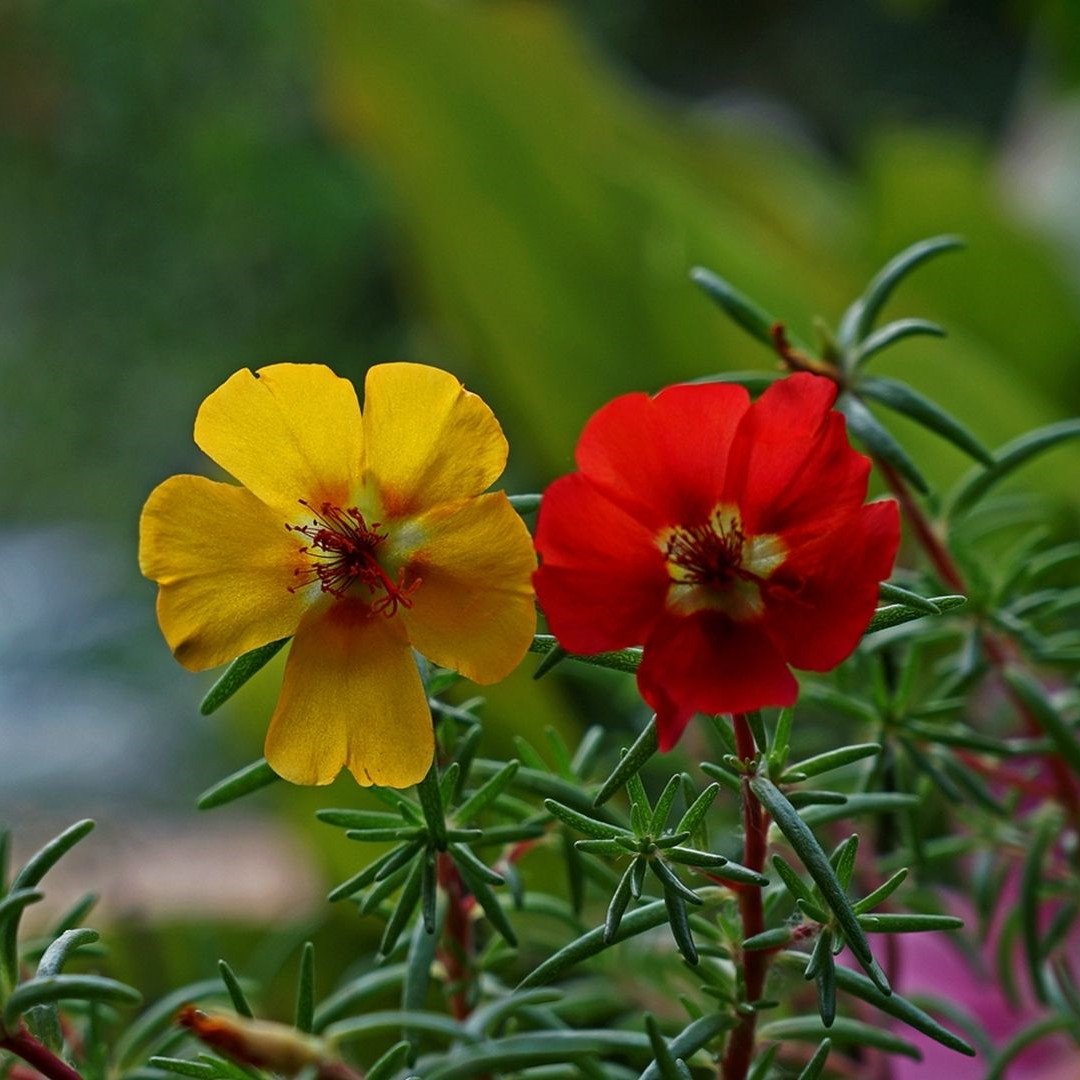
pixel 342 554
pixel 715 565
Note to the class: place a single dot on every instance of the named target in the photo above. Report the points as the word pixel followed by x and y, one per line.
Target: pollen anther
pixel 342 553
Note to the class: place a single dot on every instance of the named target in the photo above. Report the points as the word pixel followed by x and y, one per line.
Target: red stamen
pixel 342 553
pixel 709 554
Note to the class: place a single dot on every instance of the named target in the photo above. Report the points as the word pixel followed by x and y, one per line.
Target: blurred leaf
pixel 238 784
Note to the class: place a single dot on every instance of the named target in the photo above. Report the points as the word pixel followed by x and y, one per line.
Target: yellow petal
pixel 428 440
pixel 352 696
pixel 473 610
pixel 224 564
pixel 287 432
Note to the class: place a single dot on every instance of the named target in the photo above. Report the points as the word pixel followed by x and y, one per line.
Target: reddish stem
pixel 740 1047
pixel 456 949
pixel 24 1045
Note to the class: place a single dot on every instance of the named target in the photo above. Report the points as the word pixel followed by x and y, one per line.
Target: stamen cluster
pixel 343 552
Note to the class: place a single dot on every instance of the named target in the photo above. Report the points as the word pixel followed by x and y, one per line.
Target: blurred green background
pixel 514 190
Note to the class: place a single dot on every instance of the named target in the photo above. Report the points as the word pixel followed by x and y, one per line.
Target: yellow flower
pixel 363 536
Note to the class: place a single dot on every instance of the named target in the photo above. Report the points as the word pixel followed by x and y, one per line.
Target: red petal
pixel 819 602
pixel 707 663
pixel 602 579
pixel 791 460
pixel 663 459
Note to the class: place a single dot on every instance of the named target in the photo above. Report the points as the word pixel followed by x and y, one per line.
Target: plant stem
pixel 456 949
pixel 740 1047
pixel 24 1045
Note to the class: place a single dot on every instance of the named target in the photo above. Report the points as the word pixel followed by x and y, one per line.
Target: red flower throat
pixel 343 552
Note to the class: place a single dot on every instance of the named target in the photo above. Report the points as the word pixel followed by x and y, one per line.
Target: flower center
pixel 716 566
pixel 342 554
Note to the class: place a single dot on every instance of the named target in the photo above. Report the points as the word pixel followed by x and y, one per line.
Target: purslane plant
pixel 749 892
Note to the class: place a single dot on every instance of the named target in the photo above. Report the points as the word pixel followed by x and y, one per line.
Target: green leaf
pixel 692 1039
pixel 881 893
pixel 617 908
pixel 897 614
pixel 892 333
pixel 908 923
pixel 598 830
pixel 35 868
pixel 391 1019
pixel 792 882
pixel 590 944
pixel 391 1063
pixel 305 991
pixel 486 794
pixel 66 988
pixel 738 307
pixel 826 988
pixel 696 811
pixel 666 1063
pixel 816 1065
pixel 352 997
pixel 627 660
pixel 679 921
pixel 198 1070
pixel 1021 1041
pixel 414 989
pixel 1053 724
pixel 544 784
pixel 816 862
pixel 525 504
pixel 487 900
pixel 643 748
pixel 464 857
pixel 844 1032
pixel 432 805
pixel 763 1063
pixel 776 938
pixel 238 784
pixel 843 859
pixel 861 315
pixel 552 659
pixel 902 398
pixel 663 806
pixel 879 441
pixel 878 802
pixel 44 1020
pixel 670 881
pixel 899 1007
pixel 238 673
pixel 235 990
pixel 832 759
pixel 1030 891
pixel 1009 457
pixel 406 905
pixel 905 596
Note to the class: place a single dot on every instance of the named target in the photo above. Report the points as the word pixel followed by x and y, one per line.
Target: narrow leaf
pixel 816 1065
pixel 66 988
pixel 486 794
pixel 525 504
pixel 305 991
pixel 893 332
pixel 643 748
pixel 904 399
pixel 598 830
pixel 816 862
pixel 738 307
pixel 899 1007
pixel 590 944
pixel 860 317
pixel 552 659
pixel 696 811
pixel 627 660
pixel 844 1032
pixel 238 673
pixel 1009 457
pixel 833 759
pixel 880 442
pixel 617 907
pixel 889 591
pixel 238 784
pixel 902 923
pixel 432 806
pixel 235 990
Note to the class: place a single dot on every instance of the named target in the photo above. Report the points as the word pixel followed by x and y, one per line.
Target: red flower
pixel 728 538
